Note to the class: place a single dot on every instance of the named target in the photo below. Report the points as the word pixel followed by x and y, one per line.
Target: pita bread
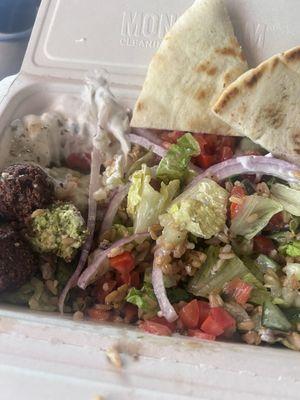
pixel 264 104
pixel 292 58
pixel 197 59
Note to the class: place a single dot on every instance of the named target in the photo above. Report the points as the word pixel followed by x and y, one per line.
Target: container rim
pixel 15 36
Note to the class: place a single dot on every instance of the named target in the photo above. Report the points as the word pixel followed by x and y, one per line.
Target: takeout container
pixel 70 38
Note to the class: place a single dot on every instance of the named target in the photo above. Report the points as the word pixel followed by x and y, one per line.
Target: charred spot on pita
pixel 200 94
pixel 292 55
pixel 140 106
pixel 207 67
pixel 225 99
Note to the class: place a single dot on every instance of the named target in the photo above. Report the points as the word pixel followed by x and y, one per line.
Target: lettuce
pixel 289 198
pixel 144 299
pixel 175 163
pixel 254 215
pixel 201 209
pixel 144 203
pixel 291 249
pixel 293 269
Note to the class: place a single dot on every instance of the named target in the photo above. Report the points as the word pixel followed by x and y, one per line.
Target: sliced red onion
pixel 166 307
pixel 151 135
pixel 100 256
pixel 147 144
pixel 251 165
pixel 92 212
pixel 113 207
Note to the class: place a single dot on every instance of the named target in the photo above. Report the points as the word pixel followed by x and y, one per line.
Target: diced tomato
pixel 205 160
pixel 155 328
pixel 238 192
pixel 130 313
pixel 239 290
pixel 98 314
pixel 163 321
pixel 222 317
pixel 79 161
pixel 212 327
pixel 203 310
pixel 201 335
pixel 276 222
pixel 227 141
pixel 226 153
pixel 263 245
pixel 171 137
pixel 123 262
pixel 189 315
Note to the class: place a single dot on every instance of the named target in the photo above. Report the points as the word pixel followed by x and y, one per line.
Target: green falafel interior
pixel 59 229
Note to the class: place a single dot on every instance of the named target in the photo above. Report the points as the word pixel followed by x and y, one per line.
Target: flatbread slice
pixel 264 105
pixel 197 59
pixel 292 58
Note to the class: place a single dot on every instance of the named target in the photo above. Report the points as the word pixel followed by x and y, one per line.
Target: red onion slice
pixel 166 307
pixel 113 207
pixel 147 144
pixel 92 207
pixel 253 165
pixel 152 135
pixel 100 256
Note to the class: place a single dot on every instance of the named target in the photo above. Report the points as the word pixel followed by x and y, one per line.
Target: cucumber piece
pixel 273 318
pixel 264 262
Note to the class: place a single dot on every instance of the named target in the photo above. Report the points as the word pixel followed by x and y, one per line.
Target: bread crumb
pixel 114 357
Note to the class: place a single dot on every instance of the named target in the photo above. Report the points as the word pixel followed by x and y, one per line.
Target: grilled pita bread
pixel 292 58
pixel 264 105
pixel 197 59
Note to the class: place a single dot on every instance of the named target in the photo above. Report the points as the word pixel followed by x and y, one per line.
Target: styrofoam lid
pixel 73 36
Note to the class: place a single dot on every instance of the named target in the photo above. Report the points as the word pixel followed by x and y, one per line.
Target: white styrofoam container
pixel 51 357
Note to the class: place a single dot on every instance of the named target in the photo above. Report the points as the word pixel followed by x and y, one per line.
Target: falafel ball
pixel 17 262
pixel 23 189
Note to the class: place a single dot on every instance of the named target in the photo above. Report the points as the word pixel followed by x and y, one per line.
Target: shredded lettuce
pixel 291 249
pixel 201 209
pixel 144 203
pixel 213 277
pixel 254 215
pixel 289 198
pixel 293 269
pixel 175 163
pixel 144 299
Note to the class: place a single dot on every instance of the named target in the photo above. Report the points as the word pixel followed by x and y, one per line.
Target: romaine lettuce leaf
pixel 254 215
pixel 144 203
pixel 291 249
pixel 201 209
pixel 175 163
pixel 144 299
pixel 289 198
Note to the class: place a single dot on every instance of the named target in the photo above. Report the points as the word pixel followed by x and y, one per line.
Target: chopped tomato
pixel 163 321
pixel 239 290
pixel 130 313
pixel 228 141
pixel 155 328
pixel 189 315
pixel 238 192
pixel 171 137
pixel 226 153
pixel 98 314
pixel 222 317
pixel 79 161
pixel 276 222
pixel 123 262
pixel 212 327
pixel 203 310
pixel 263 245
pixel 201 335
pixel 205 160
